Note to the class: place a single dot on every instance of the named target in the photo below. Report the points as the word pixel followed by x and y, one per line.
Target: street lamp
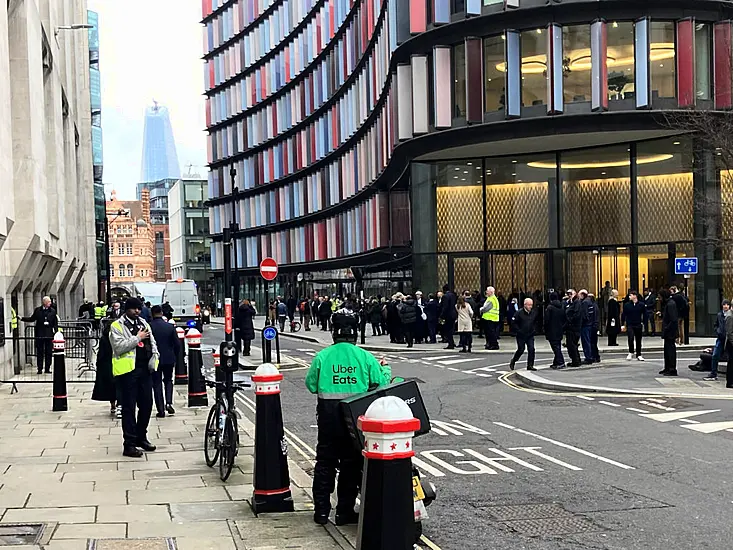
pixel 107 222
pixel 74 27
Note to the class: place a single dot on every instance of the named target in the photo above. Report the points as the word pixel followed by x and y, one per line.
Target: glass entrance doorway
pixel 464 273
pixel 518 273
pixel 591 269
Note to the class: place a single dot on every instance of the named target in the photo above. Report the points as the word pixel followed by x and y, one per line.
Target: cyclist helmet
pixel 344 325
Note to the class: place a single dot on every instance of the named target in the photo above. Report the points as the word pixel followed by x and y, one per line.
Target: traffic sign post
pixel 269 333
pixel 268 270
pixel 685 266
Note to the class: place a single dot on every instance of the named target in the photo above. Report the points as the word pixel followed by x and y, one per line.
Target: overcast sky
pixel 149 49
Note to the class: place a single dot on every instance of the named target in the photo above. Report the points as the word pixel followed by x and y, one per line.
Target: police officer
pixel 134 359
pixel 46 326
pixel 338 372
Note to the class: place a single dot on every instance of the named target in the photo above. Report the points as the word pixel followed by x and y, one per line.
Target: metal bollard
pixel 271 478
pixel 386 516
pixel 60 400
pixel 181 374
pixel 197 396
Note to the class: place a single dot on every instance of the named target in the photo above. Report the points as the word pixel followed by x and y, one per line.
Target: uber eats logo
pixel 342 374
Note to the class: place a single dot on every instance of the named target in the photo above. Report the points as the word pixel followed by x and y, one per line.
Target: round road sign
pixel 269 333
pixel 268 269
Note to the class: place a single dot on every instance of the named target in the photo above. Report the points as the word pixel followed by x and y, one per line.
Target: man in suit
pixel 449 314
pixel 168 347
pixel 47 323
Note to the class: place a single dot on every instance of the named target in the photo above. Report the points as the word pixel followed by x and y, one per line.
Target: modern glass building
pixel 160 159
pixel 95 102
pixel 385 144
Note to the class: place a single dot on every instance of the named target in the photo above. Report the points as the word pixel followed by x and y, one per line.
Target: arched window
pixel 130 270
pixel 122 270
pixel 111 272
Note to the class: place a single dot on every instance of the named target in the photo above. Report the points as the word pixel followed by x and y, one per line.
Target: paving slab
pixel 200 511
pixel 133 513
pixel 205 543
pixel 74 514
pixel 98 475
pixel 195 529
pixel 90 530
pixel 74 498
pixel 76 544
pixel 179 495
pixel 178 482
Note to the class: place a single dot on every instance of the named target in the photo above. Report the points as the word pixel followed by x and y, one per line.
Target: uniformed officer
pixel 134 359
pixel 338 372
pixel 490 318
pixel 47 325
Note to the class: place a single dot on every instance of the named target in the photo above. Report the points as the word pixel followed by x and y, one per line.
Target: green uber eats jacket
pixel 343 370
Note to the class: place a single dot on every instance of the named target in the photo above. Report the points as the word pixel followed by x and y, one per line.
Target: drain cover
pixel 131 544
pixel 527 511
pixel 548 527
pixel 20 534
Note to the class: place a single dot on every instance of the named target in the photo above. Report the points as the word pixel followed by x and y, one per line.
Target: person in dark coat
pixel 449 315
pixel 524 327
pixel 650 303
pixel 511 310
pixel 291 304
pixel 554 324
pixel 104 383
pixel 245 322
pixel 324 312
pixel 375 317
pixel 431 312
pixel 169 347
pixel 632 319
pixel 46 325
pixel 167 309
pixel 408 317
pixel 669 333
pixel 613 318
pixel 393 320
pixel 573 322
pixel 588 315
pixel 683 313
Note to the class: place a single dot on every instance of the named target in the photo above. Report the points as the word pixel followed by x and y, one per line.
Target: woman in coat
pixel 104 383
pixel 465 324
pixel 613 323
pixel 245 323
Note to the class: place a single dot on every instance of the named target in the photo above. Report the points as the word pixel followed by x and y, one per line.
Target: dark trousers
pixel 585 340
pixel 650 321
pixel 634 334
pixel 44 349
pixel 246 346
pixel 163 380
pixel 136 388
pixel 409 332
pixel 594 344
pixel 571 342
pixel 686 323
pixel 432 331
pixel 449 331
pixel 466 340
pixel 522 342
pixel 324 322
pixel 670 355
pixel 556 346
pixel 612 336
pixel 376 329
pixel 492 334
pixel 335 450
pixel 729 368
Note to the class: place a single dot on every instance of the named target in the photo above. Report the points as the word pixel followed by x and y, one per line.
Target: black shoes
pixel 147 446
pixel 347 518
pixel 170 410
pixel 320 518
pixel 462 350
pixel 161 414
pixel 530 367
pixel 557 367
pixel 48 371
pixel 668 372
pixel 511 365
pixel 132 452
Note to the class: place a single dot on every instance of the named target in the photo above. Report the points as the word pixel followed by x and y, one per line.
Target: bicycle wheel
pixel 211 436
pixel 296 326
pixel 228 449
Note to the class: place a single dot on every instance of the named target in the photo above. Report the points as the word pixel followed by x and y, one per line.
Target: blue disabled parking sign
pixel 269 333
pixel 685 266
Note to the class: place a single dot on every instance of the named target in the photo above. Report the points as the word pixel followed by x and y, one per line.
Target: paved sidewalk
pixel 620 376
pixel 66 471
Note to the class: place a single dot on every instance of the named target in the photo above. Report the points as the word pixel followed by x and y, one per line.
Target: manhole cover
pixel 527 511
pixel 20 534
pixel 547 527
pixel 131 544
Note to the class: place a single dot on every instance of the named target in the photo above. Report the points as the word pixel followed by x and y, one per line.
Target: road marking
pixel 689 421
pixel 458 361
pixel 430 544
pixel 642 411
pixel 480 468
pixel 453 356
pixel 656 405
pixel 483 375
pixel 710 427
pixel 566 446
pixel 660 401
pixel 421 464
pixel 585 397
pixel 609 404
pixel 496 461
pixel 304 349
pixel 536 451
pixel 454 369
pixel 670 416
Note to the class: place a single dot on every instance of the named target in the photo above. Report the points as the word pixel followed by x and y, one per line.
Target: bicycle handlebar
pixel 223 386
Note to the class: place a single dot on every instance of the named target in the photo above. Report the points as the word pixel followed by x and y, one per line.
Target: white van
pixel 182 295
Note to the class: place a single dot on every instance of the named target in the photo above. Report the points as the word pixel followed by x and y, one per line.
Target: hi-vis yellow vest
pixel 13 319
pixel 99 311
pixel 126 362
pixel 493 313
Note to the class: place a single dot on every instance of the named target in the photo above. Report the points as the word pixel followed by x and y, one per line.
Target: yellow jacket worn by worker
pixel 490 309
pixel 126 345
pixel 13 319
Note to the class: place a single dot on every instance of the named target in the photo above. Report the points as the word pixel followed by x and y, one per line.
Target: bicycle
pixel 221 438
pixel 294 326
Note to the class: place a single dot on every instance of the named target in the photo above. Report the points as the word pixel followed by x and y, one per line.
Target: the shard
pixel 159 160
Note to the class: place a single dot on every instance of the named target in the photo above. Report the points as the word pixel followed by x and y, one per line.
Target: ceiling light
pixel 603 173
pixel 535 64
pixel 469 163
pixel 514 173
pixel 539 31
pixel 463 179
pixel 465 171
pixel 457 169
pixel 514 162
pixel 615 25
pixel 676 143
pixel 603 164
pixel 455 177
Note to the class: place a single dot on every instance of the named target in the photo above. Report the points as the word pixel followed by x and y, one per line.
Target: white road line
pixel 660 401
pixel 690 421
pixel 710 427
pixel 304 349
pixel 481 374
pixel 656 406
pixel 566 446
pixel 642 411
pixel 585 397
pixel 459 361
pixel 609 404
pixel 536 451
pixel 442 357
pixel 422 465
pixel 670 416
pixel 454 369
pixel 492 367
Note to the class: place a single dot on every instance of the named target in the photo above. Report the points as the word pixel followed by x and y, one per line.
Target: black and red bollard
pixel 271 474
pixel 60 400
pixel 387 512
pixel 181 375
pixel 197 396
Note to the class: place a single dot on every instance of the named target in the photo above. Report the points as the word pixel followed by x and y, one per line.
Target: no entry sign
pixel 268 269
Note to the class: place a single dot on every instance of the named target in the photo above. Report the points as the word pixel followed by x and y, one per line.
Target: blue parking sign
pixel 685 266
pixel 269 333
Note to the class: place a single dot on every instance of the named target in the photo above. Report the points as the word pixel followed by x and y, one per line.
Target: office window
pixel 129 249
pixel 130 270
pixel 703 61
pixel 576 63
pixel 120 249
pixel 620 40
pixel 534 67
pixel 494 86
pixel 111 272
pixel 662 59
pixel 459 81
pixel 122 270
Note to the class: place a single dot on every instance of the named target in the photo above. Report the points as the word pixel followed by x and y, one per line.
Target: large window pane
pixel 703 60
pixel 662 59
pixel 459 211
pixel 494 90
pixel 459 81
pixel 596 196
pixel 620 40
pixel 576 63
pixel 665 190
pixel 534 67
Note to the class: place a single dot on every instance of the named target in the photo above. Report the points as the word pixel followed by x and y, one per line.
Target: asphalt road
pixel 524 469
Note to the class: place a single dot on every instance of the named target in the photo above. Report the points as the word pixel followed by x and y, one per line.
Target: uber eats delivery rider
pixel 134 359
pixel 338 372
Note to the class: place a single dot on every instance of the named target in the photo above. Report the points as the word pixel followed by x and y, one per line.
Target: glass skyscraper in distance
pixel 160 160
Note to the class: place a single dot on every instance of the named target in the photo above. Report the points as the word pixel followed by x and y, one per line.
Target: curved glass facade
pixel 356 126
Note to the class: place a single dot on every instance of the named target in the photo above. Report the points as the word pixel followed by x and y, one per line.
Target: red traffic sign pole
pixel 268 269
pixel 228 315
